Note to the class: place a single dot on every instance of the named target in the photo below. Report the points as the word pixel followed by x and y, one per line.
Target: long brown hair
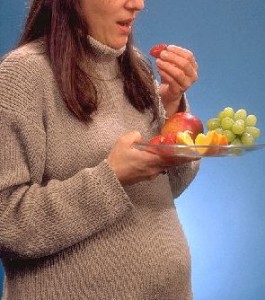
pixel 61 25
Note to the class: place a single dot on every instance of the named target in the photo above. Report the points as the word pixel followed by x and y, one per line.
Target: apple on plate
pixel 157 140
pixel 183 121
pixel 170 138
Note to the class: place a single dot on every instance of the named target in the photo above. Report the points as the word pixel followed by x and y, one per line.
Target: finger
pixel 178 82
pixel 183 52
pixel 171 162
pixel 170 60
pixel 131 138
pixel 188 65
pixel 156 171
pixel 177 76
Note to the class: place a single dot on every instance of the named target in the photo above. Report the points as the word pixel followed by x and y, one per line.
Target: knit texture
pixel 68 229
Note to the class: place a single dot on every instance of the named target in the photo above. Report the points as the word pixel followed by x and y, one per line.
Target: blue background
pixel 223 211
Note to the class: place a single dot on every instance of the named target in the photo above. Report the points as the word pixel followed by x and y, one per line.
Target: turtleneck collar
pixel 103 62
pixel 102 49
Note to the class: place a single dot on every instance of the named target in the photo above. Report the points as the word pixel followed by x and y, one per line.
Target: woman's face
pixel 110 21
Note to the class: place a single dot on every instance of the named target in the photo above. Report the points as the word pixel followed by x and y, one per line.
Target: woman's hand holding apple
pixel 132 165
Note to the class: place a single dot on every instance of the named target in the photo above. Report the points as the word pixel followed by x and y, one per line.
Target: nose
pixel 135 4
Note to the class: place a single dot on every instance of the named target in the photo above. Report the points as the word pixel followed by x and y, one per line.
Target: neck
pixel 104 50
pixel 103 62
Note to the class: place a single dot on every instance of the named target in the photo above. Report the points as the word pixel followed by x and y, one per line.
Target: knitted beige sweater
pixel 68 229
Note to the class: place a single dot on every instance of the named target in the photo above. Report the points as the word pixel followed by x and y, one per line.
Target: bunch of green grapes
pixel 238 126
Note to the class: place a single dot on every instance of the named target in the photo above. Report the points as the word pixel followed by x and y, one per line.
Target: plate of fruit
pixel 230 133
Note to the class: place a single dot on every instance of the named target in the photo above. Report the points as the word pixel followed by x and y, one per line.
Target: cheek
pixel 98 15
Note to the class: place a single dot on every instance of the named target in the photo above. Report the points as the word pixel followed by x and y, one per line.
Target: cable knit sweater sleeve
pixel 38 219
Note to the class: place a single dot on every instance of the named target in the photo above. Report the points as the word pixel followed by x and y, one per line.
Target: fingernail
pixel 164 54
pixel 173 47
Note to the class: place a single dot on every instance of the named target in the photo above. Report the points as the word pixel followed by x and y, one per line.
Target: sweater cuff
pixel 116 197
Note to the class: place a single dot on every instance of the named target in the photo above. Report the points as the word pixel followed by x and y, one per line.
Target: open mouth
pixel 125 23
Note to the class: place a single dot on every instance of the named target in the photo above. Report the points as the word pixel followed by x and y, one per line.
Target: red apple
pixel 183 121
pixel 156 140
pixel 170 139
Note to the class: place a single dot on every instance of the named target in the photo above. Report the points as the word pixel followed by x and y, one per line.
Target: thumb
pixel 133 137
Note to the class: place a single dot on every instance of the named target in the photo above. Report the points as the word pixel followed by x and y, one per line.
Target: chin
pixel 119 44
